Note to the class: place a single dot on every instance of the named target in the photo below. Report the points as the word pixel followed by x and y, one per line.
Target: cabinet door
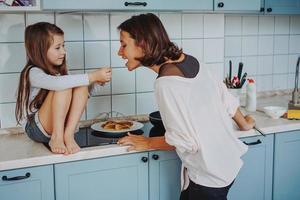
pixel 237 5
pixel 112 178
pixel 35 183
pixel 128 5
pixel 287 166
pixel 164 175
pixel 254 180
pixel 282 6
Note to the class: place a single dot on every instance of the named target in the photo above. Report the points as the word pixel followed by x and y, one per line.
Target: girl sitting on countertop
pixel 196 111
pixel 50 102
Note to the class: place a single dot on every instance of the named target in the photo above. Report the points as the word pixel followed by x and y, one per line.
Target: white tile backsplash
pixel 97 54
pixel 192 26
pixel 249 25
pixel 123 81
pixel 12 27
pixel 172 24
pixel 72 25
pixel 8 87
pixel 146 103
pixel 213 25
pixel 96 26
pixel 13 57
pixel 75 55
pixel 282 24
pixel 267 45
pixel 145 79
pixel 32 18
pixel 266 25
pixel 124 104
pixel 213 50
pixel 233 25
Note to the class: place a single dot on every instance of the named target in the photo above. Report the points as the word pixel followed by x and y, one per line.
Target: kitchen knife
pixel 243 79
pixel 230 70
pixel 240 70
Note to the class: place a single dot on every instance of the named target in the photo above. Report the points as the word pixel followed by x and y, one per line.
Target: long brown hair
pixel 38 39
pixel 149 34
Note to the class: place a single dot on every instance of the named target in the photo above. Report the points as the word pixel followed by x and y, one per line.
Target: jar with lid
pixel 251 95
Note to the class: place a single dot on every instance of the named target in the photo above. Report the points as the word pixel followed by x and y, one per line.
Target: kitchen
pixel 267 44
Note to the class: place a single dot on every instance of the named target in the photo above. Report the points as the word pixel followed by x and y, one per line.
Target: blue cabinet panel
pixel 35 183
pixel 282 7
pixel 128 5
pixel 287 166
pixel 254 180
pixel 164 175
pixel 237 5
pixel 113 178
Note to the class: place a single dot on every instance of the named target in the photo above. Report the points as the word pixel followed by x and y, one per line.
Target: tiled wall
pixel 267 45
pixel 93 41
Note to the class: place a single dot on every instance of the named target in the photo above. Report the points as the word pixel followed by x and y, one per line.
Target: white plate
pixel 98 127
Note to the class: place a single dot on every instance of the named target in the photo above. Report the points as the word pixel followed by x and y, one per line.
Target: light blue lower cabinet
pixel 34 183
pixel 164 175
pixel 254 181
pixel 122 177
pixel 287 166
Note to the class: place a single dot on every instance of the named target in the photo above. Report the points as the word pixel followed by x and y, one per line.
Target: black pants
pixel 199 192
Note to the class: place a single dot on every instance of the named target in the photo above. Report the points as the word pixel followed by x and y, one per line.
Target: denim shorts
pixel 35 130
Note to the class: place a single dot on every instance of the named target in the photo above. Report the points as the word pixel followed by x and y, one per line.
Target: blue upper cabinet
pixel 254 181
pixel 35 183
pixel 237 5
pixel 287 166
pixel 205 5
pixel 282 7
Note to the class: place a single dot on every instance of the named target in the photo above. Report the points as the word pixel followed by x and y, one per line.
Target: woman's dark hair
pixel 150 34
pixel 38 39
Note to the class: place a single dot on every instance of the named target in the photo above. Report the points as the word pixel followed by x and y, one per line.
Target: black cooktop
pixel 86 137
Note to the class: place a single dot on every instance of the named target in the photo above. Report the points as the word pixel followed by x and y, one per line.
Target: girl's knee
pixel 82 89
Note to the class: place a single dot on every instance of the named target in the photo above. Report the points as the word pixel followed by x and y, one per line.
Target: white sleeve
pixel 176 120
pixel 230 102
pixel 39 79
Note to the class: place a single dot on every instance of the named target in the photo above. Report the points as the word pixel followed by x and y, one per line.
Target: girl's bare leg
pixel 78 104
pixel 53 114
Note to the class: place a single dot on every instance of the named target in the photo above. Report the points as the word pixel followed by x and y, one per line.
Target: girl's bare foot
pixel 72 146
pixel 57 145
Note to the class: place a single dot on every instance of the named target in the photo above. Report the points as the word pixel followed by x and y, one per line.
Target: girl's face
pixel 129 51
pixel 56 52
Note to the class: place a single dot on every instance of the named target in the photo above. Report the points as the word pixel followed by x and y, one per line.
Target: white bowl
pixel 275 112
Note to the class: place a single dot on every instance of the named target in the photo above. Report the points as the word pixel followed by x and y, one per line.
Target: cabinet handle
pixel 135 3
pixel 221 5
pixel 27 175
pixel 253 143
pixel 144 159
pixel 269 9
pixel 262 9
pixel 155 156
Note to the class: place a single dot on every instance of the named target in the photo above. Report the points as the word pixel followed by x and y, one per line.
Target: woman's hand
pixel 136 142
pixel 101 75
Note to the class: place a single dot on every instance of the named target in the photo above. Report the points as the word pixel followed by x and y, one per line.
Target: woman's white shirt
pixel 197 116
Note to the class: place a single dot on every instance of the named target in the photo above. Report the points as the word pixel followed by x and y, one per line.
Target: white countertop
pixel 18 151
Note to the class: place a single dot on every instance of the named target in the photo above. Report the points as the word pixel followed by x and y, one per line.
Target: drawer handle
pixel 253 143
pixel 135 4
pixel 155 156
pixel 144 159
pixel 221 5
pixel 16 178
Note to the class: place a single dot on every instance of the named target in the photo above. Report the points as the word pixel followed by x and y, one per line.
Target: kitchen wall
pixel 268 46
